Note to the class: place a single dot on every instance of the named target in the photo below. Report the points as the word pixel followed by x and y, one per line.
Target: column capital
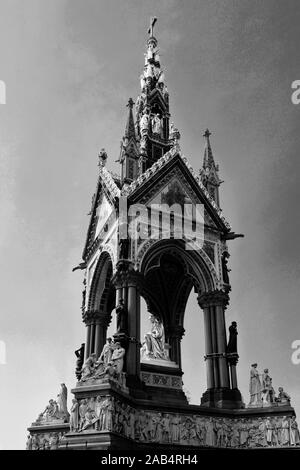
pixel 96 317
pixel 126 275
pixel 213 298
pixel 232 358
pixel 175 331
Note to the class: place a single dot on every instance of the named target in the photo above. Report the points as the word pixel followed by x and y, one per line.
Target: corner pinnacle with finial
pixel 208 160
pixel 130 128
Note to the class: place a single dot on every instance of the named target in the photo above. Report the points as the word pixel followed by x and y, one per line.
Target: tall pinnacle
pixel 209 171
pixel 147 137
pixel 130 129
pixel 208 160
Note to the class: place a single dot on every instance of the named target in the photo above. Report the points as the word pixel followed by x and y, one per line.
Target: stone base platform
pixel 120 422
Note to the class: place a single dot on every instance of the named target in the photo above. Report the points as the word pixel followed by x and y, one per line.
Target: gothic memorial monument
pixel 157 231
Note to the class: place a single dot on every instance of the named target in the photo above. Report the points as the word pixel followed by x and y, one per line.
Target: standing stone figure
pixel 166 428
pixel 266 387
pixel 117 358
pixel 175 428
pixel 156 125
pixel 255 386
pixel 294 432
pixel 79 353
pixel 123 248
pixel 232 342
pixel 210 433
pixel 98 409
pixel 235 438
pixel 244 433
pixel 144 122
pixel 106 353
pixel 122 315
pixel 62 398
pixel 103 419
pixel 225 270
pixel 270 431
pixel 285 432
pixel 82 410
pixel 262 441
pixel 154 346
pixel 74 416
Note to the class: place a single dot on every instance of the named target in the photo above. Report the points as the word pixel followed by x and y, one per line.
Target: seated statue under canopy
pixel 154 346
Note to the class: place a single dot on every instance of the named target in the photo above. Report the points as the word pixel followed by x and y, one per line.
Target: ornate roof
pixel 128 190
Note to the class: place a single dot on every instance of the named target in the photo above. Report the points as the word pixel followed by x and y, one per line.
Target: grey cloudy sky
pixel 70 67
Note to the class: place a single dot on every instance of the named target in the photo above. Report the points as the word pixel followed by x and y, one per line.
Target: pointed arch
pixel 101 290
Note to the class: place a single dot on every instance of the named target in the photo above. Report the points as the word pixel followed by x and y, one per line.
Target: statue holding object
pixel 79 353
pixel 122 315
pixel 154 345
pixel 255 386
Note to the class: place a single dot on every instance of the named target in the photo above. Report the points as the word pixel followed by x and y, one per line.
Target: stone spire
pixel 209 171
pixel 130 129
pixel 129 154
pixel 208 161
pixel 152 107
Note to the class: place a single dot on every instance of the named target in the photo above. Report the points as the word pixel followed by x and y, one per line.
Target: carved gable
pixel 175 189
pixel 103 211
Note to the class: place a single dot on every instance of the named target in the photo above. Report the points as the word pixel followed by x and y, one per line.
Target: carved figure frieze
pixel 44 441
pixel 106 413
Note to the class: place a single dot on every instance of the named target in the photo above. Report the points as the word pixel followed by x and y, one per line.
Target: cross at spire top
pixel 153 20
pixel 130 103
pixel 207 133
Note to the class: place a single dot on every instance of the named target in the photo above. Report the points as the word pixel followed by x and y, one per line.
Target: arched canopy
pixel 170 272
pixel 102 294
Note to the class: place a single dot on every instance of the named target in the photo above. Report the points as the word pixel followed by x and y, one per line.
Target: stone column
pixel 213 304
pixel 126 284
pixel 233 376
pixel 119 295
pixel 133 353
pixel 98 338
pixel 101 325
pixel 174 336
pixel 208 349
pixel 221 342
pixel 88 341
pixel 220 395
pixel 214 346
pixel 92 337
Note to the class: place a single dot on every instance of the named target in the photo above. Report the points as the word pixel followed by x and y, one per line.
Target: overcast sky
pixel 70 67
